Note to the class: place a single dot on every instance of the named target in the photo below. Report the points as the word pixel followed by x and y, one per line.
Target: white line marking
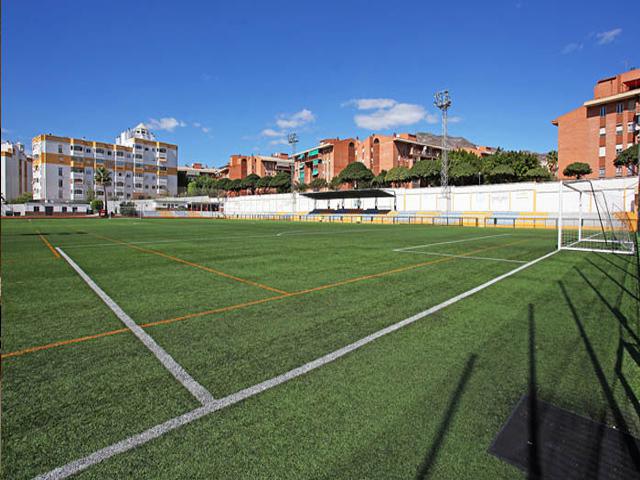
pixel 466 256
pixel 197 390
pixel 450 242
pixel 186 239
pixel 154 432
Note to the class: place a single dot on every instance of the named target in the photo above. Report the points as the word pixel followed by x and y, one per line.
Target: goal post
pixel 589 221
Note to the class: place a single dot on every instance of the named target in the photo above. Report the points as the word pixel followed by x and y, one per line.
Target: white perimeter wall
pixel 506 197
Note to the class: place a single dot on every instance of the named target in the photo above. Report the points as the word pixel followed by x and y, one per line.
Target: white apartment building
pixel 15 171
pixel 141 167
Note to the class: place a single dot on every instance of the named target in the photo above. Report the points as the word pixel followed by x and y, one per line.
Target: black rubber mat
pixel 548 442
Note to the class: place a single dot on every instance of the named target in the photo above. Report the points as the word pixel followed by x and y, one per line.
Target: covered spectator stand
pixel 358 198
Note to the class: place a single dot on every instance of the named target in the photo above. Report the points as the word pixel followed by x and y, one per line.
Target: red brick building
pixel 598 130
pixel 262 165
pixel 325 160
pixel 383 152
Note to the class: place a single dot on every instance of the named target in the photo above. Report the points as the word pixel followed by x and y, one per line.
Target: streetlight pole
pixel 292 138
pixel 442 100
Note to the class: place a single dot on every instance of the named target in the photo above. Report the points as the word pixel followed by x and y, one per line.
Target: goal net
pixel 590 220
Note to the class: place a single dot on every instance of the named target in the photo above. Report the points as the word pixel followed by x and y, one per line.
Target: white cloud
pixel 572 47
pixel 297 119
pixel 455 119
pixel 270 132
pixel 279 141
pixel 607 37
pixel 166 123
pixel 371 103
pixel 397 115
pixel 432 118
pixel 201 127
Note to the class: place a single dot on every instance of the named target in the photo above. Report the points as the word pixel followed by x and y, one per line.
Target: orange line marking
pixel 18 353
pixel 251 303
pixel 46 242
pixel 196 265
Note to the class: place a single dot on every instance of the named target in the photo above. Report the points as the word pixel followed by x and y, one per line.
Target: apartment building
pixel 15 171
pixel 326 160
pixel 262 165
pixel 140 166
pixel 602 127
pixel 383 152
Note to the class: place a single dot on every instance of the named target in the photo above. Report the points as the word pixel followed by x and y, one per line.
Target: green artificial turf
pixel 425 401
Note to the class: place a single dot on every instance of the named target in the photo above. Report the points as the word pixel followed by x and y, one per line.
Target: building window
pixel 632 105
pixel 36 209
pixel 119 154
pixel 618 149
pixel 602 152
pixel 603 131
pixel 59 171
pixel 619 129
pixel 629 171
pixel 138 155
pixel 630 127
pixel 59 148
pixel 64 209
pixel 619 107
pixel 77 192
pixel 76 148
pixel 100 150
pixel 88 150
pixel 603 111
pixel 138 147
pixel 618 171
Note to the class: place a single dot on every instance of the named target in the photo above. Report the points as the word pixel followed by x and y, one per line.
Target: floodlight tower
pixel 292 138
pixel 443 102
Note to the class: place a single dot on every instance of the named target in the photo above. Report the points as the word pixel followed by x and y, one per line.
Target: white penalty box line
pixel 426 245
pixel 180 374
pixel 157 431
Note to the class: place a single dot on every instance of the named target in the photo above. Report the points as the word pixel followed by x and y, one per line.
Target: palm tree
pixel 103 178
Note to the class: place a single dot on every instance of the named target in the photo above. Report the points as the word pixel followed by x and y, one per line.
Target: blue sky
pixel 219 78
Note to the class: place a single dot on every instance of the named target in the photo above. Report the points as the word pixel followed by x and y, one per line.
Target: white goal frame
pixel 607 229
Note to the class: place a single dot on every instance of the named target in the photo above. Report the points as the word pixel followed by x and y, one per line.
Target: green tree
pixel 380 180
pixel 193 189
pixel 355 174
pixel 235 185
pixel 627 157
pixel 501 174
pixel 317 184
pixel 224 184
pixel 577 169
pixel 335 183
pixel 539 174
pixel 301 187
pixel 263 183
pixel 96 205
pixel 281 182
pixel 103 178
pixel 398 176
pixel 552 161
pixel 250 182
pixel 427 172
pixel 23 198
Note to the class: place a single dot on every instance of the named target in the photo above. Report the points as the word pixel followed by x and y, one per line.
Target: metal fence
pixel 460 221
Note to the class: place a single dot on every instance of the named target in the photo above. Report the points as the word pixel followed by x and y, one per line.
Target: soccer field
pixel 225 313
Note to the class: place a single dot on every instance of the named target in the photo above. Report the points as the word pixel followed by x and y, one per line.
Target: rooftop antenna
pixel 442 100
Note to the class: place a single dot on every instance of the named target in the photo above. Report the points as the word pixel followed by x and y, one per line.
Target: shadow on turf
pixel 621 423
pixel 534 470
pixel 432 454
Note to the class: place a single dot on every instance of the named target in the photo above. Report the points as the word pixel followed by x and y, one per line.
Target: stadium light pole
pixel 442 100
pixel 292 138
